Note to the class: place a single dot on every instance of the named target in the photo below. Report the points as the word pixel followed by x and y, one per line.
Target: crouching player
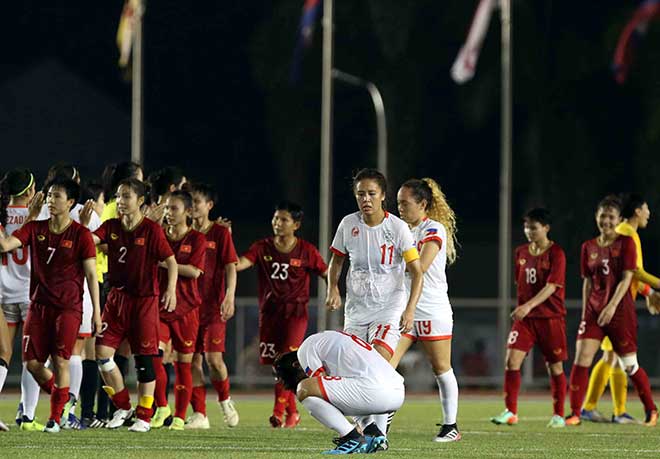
pixel 336 375
pixel 135 247
pixel 607 264
pixel 63 254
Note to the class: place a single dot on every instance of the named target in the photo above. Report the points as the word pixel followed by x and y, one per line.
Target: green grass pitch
pixel 412 432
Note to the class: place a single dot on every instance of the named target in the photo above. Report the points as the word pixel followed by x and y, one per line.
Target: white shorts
pixel 15 313
pixel 361 396
pixel 85 330
pixel 385 333
pixel 431 330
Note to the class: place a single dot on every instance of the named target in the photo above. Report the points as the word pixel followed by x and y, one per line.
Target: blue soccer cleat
pixel 348 446
pixel 377 443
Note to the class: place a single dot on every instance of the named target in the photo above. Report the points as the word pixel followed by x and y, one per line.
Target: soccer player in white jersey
pixel 423 206
pixel 336 374
pixel 71 421
pixel 16 191
pixel 380 248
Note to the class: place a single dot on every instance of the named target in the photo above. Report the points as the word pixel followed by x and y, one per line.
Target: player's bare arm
pixel 428 253
pixel 35 206
pixel 621 289
pixel 227 307
pixel 521 311
pixel 169 296
pixel 333 297
pixel 89 267
pixel 416 284
pixel 9 243
pixel 243 264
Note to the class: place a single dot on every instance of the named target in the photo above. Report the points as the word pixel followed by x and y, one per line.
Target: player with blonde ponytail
pixel 422 205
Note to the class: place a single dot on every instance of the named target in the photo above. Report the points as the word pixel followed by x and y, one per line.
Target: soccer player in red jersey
pixel 284 265
pixel 607 263
pixel 218 289
pixel 63 255
pixel 539 318
pixel 181 325
pixel 135 247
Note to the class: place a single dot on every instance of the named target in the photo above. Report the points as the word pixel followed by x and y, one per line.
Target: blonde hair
pixel 439 210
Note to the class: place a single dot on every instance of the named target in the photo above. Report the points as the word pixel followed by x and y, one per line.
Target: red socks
pixel 291 407
pixel 160 393
pixel 578 387
pixel 222 387
pixel 58 398
pixel 122 399
pixel 48 385
pixel 558 390
pixel 641 381
pixel 511 390
pixel 198 399
pixel 182 388
pixel 280 400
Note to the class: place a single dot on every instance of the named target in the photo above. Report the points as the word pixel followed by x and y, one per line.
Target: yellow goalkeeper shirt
pixel 640 277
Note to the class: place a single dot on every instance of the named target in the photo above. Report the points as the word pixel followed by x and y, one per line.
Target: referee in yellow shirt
pixel 636 215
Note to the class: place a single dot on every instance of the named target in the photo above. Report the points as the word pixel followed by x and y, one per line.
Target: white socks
pixel 448 389
pixel 328 415
pixel 3 376
pixel 29 393
pixel 75 375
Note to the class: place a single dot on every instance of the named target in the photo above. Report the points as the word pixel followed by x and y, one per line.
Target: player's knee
pixel 106 365
pixel 609 357
pixel 302 390
pixel 144 366
pixel 33 366
pixel 555 369
pixel 630 364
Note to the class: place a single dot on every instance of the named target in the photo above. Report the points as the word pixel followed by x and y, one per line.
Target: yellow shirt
pixel 640 277
pixel 109 211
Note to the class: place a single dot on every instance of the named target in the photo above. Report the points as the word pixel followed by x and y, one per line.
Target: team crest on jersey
pixel 295 262
pixel 114 236
pixel 216 340
pixel 389 237
pixel 593 255
pixel 557 351
pixel 139 241
pixel 268 258
pixel 187 343
pixel 355 232
pixel 66 244
pixel 211 245
pixel 41 238
pixel 185 248
pixel 522 261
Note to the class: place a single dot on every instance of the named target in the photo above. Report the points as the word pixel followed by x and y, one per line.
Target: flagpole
pixel 137 112
pixel 505 178
pixel 325 200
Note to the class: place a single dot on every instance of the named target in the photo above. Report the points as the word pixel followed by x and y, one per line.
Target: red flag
pixel 466 61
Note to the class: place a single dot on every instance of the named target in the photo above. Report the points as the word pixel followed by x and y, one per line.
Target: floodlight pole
pixel 325 199
pixel 504 270
pixel 137 113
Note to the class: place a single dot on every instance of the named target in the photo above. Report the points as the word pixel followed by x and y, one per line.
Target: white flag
pixel 466 61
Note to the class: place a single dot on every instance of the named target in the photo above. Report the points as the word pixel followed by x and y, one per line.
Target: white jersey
pixel 15 266
pixel 377 256
pixel 434 301
pixel 340 354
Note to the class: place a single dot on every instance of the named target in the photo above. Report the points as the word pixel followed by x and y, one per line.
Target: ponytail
pixel 440 211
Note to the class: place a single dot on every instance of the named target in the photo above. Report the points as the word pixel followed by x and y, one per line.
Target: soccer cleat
pixel 592 415
pixel 52 427
pixel 651 418
pixel 292 420
pixel 572 420
pixel 348 446
pixel 162 413
pixel 31 426
pixel 140 425
pixel 375 439
pixel 177 424
pixel 231 415
pixel 3 427
pixel 556 422
pixel 505 417
pixel 197 421
pixel 119 417
pixel 275 421
pixel 69 407
pixel 624 418
pixel 93 423
pixel 448 432
pixel 19 414
pixel 72 423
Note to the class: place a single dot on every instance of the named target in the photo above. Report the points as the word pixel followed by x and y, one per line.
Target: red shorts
pixel 548 334
pixel 182 332
pixel 279 334
pixel 622 329
pixel 211 337
pixel 133 318
pixel 49 331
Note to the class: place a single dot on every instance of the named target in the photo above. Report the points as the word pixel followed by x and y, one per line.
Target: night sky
pixel 219 103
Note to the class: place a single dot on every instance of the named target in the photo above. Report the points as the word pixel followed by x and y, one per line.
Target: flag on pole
pixel 310 14
pixel 466 61
pixel 632 33
pixel 131 12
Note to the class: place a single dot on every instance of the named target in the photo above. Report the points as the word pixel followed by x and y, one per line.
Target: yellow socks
pixel 619 389
pixel 600 374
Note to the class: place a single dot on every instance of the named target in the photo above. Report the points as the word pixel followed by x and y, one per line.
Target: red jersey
pixel 189 250
pixel 220 251
pixel 605 267
pixel 533 272
pixel 57 275
pixel 133 256
pixel 284 277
